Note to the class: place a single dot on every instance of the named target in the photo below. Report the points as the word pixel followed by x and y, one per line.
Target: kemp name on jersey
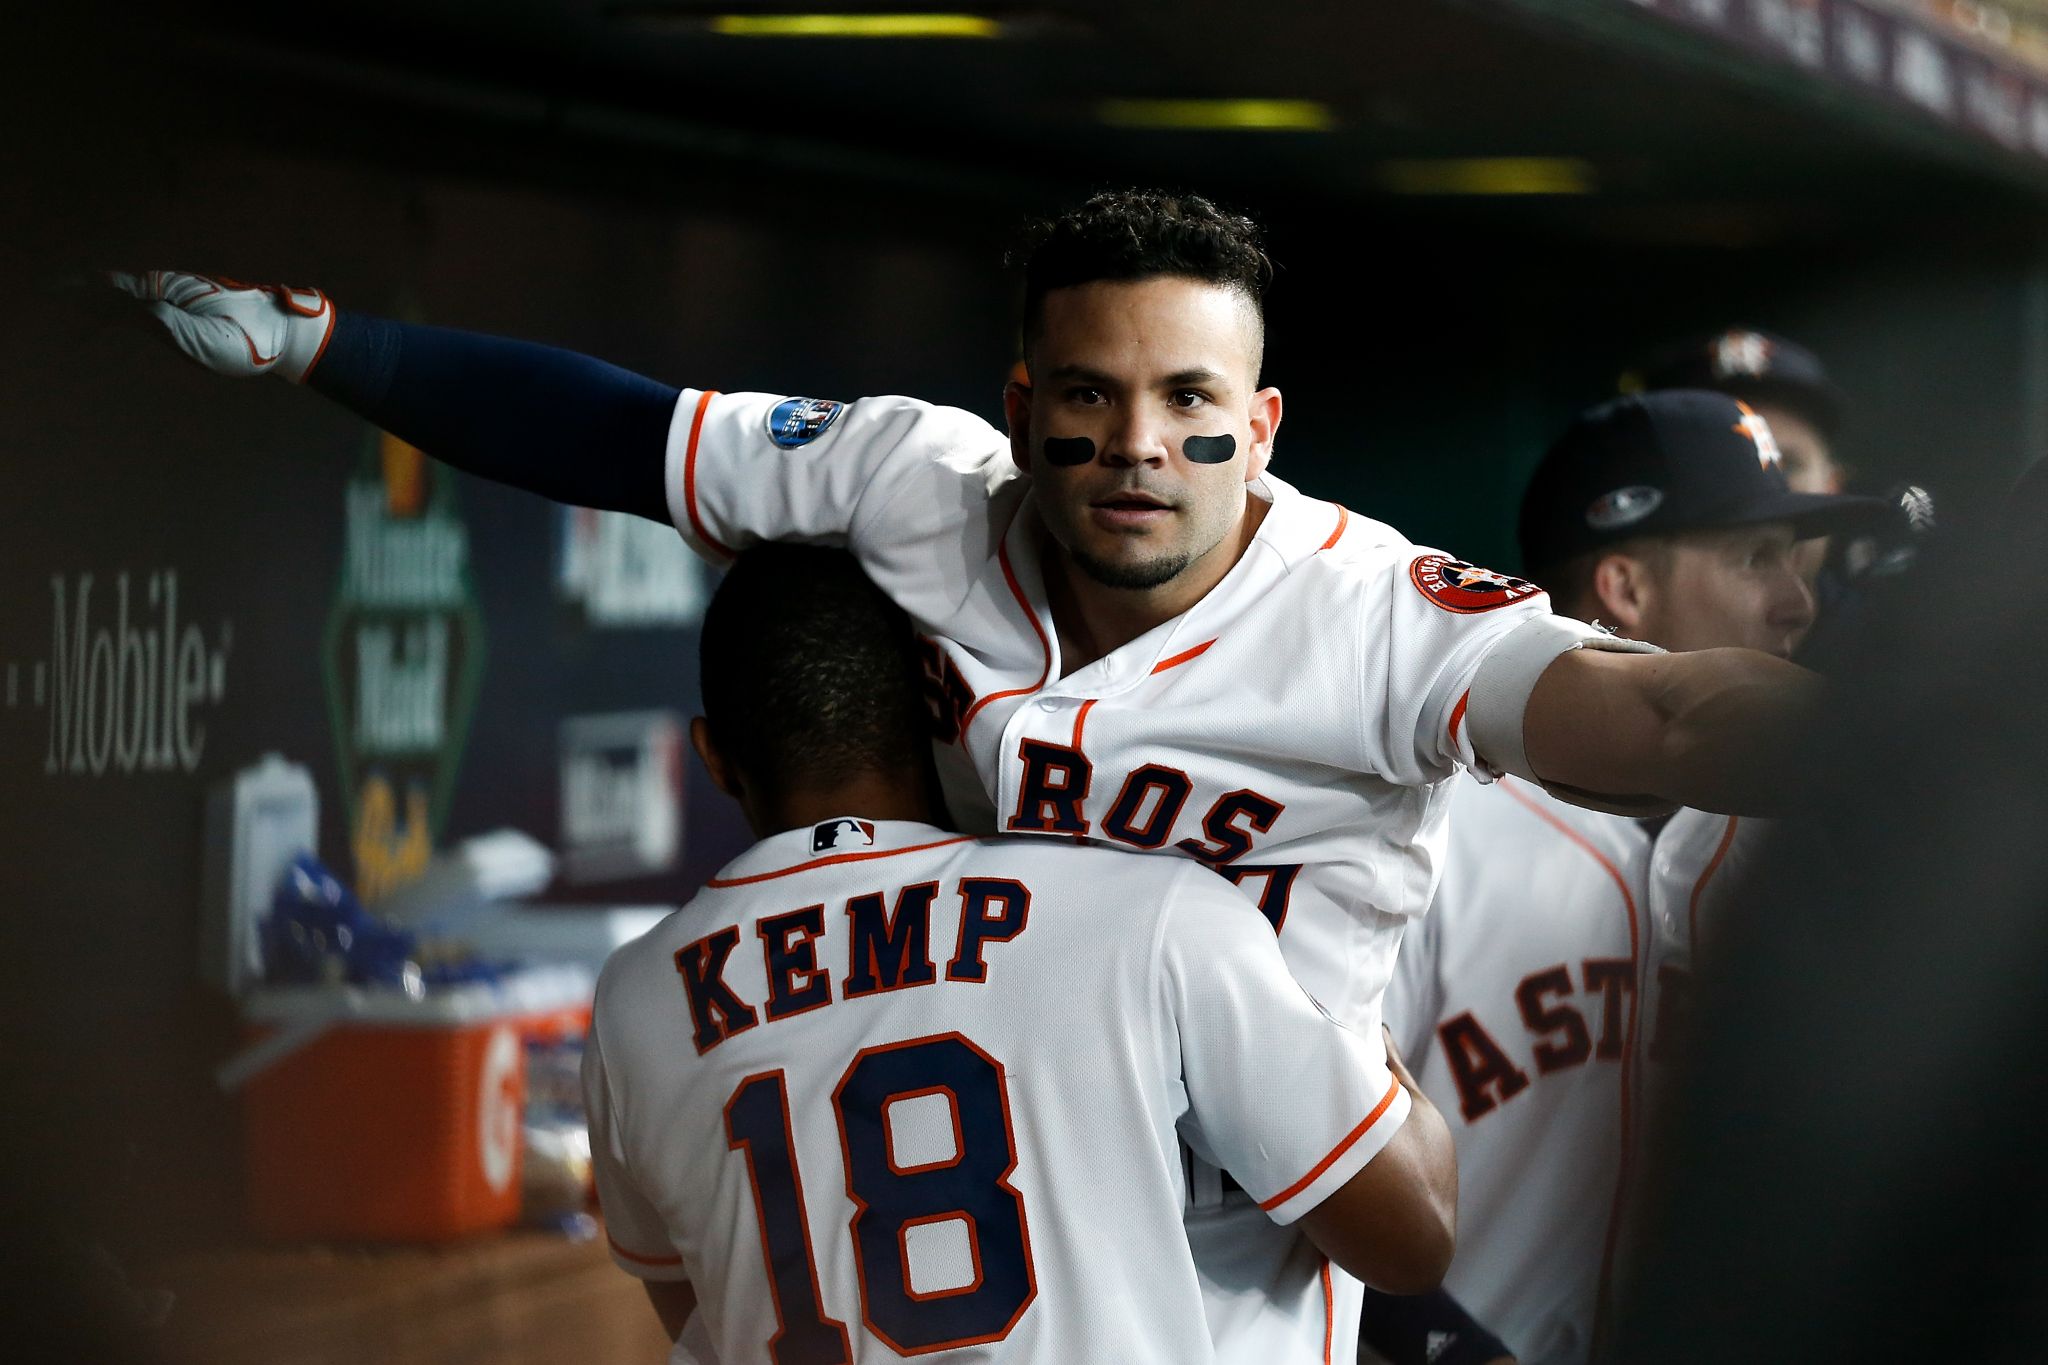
pixel 888 949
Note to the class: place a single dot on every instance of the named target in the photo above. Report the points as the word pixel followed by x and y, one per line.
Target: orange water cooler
pixel 375 1116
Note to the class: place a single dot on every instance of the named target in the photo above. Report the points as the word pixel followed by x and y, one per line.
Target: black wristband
pixel 1426 1329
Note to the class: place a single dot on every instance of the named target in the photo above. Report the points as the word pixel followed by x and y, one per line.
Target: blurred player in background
pixel 1782 381
pixel 1786 385
pixel 1854 1160
pixel 883 1090
pixel 1667 517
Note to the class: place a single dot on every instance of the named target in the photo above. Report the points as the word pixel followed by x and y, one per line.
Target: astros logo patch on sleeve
pixel 799 421
pixel 1457 586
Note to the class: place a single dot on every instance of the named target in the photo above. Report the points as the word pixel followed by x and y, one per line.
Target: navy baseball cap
pixel 1750 364
pixel 1671 460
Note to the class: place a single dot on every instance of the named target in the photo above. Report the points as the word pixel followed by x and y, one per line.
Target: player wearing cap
pixel 1135 632
pixel 1666 515
pixel 1782 382
pixel 1788 387
pixel 883 1090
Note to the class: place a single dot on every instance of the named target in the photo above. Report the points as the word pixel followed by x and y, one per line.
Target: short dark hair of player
pixel 1137 235
pixel 1570 581
pixel 809 673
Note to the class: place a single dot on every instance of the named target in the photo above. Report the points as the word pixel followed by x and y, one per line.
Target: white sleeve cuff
pixel 1508 674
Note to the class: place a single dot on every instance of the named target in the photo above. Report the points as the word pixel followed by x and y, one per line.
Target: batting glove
pixel 237 329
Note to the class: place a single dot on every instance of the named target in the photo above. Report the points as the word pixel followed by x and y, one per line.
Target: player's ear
pixel 722 775
pixel 1265 425
pixel 1017 413
pixel 1623 589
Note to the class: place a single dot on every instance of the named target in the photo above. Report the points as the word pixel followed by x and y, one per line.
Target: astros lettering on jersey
pixel 930 1094
pixel 1515 1002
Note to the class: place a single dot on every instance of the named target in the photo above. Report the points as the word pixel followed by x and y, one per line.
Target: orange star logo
pixel 1758 431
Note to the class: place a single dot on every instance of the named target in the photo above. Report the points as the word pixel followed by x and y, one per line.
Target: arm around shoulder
pixel 1394 1224
pixel 1317 1121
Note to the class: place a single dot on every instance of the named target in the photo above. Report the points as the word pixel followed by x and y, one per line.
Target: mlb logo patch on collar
pixel 1465 588
pixel 799 421
pixel 834 835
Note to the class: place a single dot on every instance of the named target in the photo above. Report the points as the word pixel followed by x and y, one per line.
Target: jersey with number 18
pixel 880 1090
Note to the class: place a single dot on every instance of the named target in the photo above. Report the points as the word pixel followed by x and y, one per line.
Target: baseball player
pixel 1134 631
pixel 1782 382
pixel 1699 853
pixel 1789 388
pixel 883 1090
pixel 1668 516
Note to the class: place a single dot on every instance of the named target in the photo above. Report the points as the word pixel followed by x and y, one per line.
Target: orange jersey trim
pixel 1184 656
pixel 1081 721
pixel 325 337
pixel 1335 1152
pixel 1692 909
pixel 1628 1044
pixel 1458 718
pixel 690 477
pixel 637 1259
pixel 1329 1308
pixel 836 858
pixel 1343 520
pixel 1045 644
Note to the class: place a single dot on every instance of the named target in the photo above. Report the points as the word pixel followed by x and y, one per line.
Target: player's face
pixel 1805 457
pixel 1739 587
pixel 1141 426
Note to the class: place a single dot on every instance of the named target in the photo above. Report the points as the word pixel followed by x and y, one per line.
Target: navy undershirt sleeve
pixel 549 421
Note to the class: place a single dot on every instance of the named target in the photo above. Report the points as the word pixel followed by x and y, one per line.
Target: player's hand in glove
pixel 237 329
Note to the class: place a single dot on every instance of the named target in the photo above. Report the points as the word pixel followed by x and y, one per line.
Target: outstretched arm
pixel 1716 729
pixel 552 422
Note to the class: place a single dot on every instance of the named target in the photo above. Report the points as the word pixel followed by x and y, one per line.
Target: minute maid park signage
pixel 403 657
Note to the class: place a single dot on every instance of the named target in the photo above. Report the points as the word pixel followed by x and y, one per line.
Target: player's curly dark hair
pixel 810 673
pixel 1137 234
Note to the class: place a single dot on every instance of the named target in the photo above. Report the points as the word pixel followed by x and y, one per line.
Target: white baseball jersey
pixel 1694 868
pixel 1514 1004
pixel 1290 729
pixel 880 1090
